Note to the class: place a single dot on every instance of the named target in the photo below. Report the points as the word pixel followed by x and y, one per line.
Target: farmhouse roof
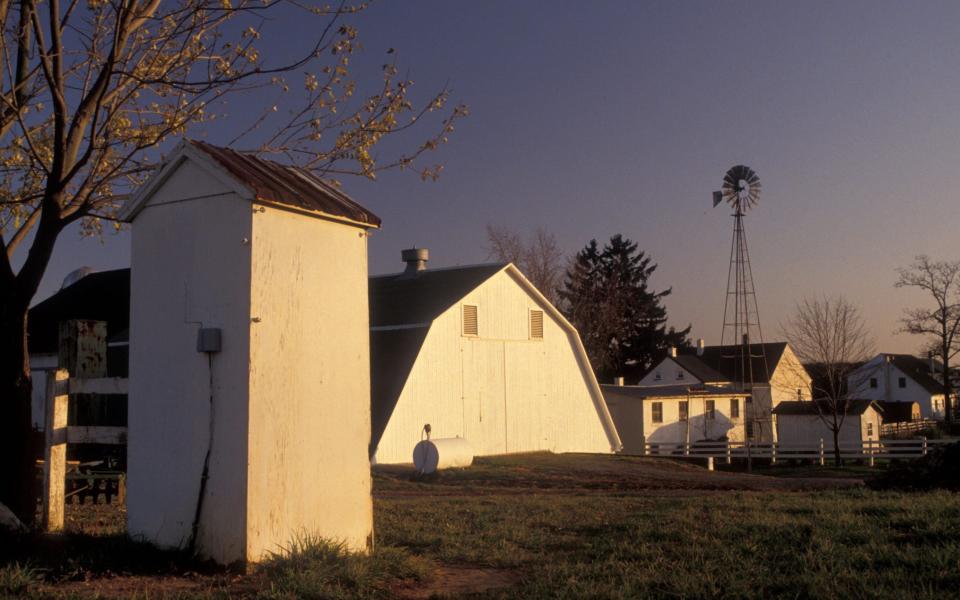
pixel 99 296
pixel 644 392
pixel 264 181
pixel 856 406
pixel 401 299
pixel 719 360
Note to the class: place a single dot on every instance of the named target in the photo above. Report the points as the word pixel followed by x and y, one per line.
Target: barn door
pixel 527 413
pixel 483 395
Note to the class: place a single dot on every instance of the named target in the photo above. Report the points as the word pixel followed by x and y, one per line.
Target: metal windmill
pixel 741 342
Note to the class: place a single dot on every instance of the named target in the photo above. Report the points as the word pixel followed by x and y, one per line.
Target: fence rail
pixel 906 427
pixel 58 434
pixel 869 450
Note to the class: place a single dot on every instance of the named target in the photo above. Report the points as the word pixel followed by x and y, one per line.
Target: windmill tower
pixel 741 341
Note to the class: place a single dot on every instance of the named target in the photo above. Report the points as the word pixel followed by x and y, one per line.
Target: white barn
pixel 249 358
pixel 477 352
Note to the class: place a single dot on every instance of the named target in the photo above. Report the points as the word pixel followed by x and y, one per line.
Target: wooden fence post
pixel 773 453
pixel 822 462
pixel 924 445
pixel 870 450
pixel 729 455
pixel 686 449
pixel 55 450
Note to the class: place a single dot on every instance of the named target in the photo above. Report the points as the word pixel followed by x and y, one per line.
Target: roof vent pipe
pixel 416 259
pixel 700 347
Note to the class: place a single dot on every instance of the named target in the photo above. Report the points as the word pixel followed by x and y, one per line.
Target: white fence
pixel 869 450
pixel 58 434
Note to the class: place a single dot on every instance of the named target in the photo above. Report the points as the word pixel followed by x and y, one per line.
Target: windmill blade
pixel 717 198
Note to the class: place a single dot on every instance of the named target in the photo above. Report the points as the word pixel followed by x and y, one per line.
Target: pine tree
pixel 622 323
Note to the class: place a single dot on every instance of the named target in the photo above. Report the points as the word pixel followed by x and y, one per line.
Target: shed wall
pixel 309 471
pixel 190 268
pixel 501 390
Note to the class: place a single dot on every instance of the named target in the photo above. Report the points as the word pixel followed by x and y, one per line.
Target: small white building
pixel 477 352
pixel 899 378
pixel 800 423
pixel 674 415
pixel 249 411
pixel 777 373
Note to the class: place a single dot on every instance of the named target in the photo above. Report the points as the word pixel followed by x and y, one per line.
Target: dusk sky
pixel 591 119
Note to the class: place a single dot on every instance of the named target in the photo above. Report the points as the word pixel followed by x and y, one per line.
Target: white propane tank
pixel 442 453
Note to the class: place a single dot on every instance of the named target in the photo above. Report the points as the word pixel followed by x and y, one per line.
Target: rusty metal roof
pixel 292 186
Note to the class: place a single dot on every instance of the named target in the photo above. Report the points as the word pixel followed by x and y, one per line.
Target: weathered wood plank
pixel 55 451
pixel 100 385
pixel 96 435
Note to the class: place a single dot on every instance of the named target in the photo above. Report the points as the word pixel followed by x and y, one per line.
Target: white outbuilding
pixel 799 423
pixel 249 410
pixel 476 352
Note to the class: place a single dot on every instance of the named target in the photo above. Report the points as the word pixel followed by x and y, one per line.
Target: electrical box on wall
pixel 208 339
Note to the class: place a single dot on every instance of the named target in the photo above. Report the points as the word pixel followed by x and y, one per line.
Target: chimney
pixel 416 259
pixel 618 381
pixel 700 347
pixel 673 351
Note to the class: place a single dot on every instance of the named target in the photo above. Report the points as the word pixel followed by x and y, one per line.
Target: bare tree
pixel 829 334
pixel 91 91
pixel 539 258
pixel 941 281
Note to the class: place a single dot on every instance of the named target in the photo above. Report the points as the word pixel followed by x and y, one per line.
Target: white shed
pixel 799 423
pixel 477 352
pixel 241 441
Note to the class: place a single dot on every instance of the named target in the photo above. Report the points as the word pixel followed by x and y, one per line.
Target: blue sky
pixel 591 119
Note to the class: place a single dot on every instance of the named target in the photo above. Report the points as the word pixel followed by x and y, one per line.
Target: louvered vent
pixel 469 320
pixel 536 324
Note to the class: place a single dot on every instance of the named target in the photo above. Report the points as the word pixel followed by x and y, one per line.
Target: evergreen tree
pixel 622 323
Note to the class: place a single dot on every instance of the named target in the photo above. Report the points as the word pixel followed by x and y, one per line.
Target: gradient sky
pixel 591 119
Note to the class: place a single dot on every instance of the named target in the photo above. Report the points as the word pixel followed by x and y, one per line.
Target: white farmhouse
pixel 676 414
pixel 249 410
pixel 477 352
pixel 899 378
pixel 800 424
pixel 778 376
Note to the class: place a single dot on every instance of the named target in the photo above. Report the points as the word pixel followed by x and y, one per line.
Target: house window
pixel 710 409
pixel 656 376
pixel 470 320
pixel 869 430
pixel 684 410
pixel 902 382
pixel 873 382
pixel 657 412
pixel 679 374
pixel 536 324
pixel 734 408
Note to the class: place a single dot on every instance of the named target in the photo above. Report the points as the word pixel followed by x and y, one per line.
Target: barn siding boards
pixel 187 272
pixel 501 390
pixel 309 384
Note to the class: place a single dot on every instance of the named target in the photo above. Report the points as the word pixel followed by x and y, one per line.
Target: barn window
pixel 869 430
pixel 470 320
pixel 734 408
pixel 873 382
pixel 536 324
pixel 902 382
pixel 679 374
pixel 711 409
pixel 657 377
pixel 684 410
pixel 657 412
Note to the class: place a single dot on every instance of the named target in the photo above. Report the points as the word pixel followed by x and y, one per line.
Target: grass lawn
pixel 545 526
